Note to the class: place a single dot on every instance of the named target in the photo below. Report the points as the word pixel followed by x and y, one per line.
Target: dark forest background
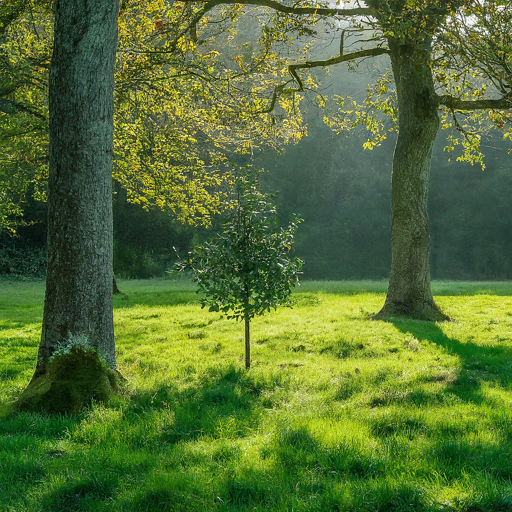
pixel 343 194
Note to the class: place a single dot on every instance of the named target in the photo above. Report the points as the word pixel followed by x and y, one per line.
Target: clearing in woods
pixel 339 412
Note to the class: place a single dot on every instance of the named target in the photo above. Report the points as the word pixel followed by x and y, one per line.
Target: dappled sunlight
pixel 338 411
pixel 478 367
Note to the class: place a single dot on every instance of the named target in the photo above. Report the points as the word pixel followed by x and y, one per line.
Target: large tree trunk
pixel 409 292
pixel 78 298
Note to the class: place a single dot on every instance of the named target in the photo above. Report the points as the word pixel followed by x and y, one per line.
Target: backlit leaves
pixel 247 269
pixel 182 108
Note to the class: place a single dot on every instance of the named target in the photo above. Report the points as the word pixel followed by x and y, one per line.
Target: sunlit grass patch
pixel 339 412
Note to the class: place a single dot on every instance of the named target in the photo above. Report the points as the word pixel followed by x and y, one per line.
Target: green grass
pixel 339 412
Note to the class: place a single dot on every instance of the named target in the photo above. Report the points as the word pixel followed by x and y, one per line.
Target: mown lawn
pixel 338 413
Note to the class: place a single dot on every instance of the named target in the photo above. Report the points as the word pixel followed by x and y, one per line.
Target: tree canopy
pixel 182 115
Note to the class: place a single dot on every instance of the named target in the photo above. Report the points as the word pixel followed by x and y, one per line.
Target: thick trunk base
pixel 70 382
pixel 416 310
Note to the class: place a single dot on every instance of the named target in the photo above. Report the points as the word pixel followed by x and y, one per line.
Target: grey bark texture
pixel 409 293
pixel 79 276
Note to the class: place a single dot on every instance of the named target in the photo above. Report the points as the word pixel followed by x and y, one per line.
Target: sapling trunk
pixel 247 321
pixel 247 341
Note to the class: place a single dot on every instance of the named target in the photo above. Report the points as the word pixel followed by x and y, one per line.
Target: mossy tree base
pixel 70 382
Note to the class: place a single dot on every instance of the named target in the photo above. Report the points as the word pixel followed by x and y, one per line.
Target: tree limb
pixel 360 11
pixel 292 68
pixel 453 103
pixel 373 52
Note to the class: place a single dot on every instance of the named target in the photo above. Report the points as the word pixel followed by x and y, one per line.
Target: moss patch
pixel 70 382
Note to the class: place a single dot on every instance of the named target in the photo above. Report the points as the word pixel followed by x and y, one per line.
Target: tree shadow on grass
pixel 305 474
pixel 27 442
pixel 170 431
pixel 296 472
pixel 478 363
pixel 181 449
pixel 81 495
pixel 226 403
pixel 165 427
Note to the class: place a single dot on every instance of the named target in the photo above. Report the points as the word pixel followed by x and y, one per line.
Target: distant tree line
pixel 343 194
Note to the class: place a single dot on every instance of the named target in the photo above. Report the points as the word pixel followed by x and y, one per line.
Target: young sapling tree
pixel 247 269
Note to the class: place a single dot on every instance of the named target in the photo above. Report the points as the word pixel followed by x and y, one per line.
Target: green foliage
pixel 24 60
pixel 377 114
pixel 23 262
pixel 247 269
pixel 182 109
pixel 480 68
pixel 467 44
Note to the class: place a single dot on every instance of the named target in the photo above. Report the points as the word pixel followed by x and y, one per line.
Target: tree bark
pixel 79 277
pixel 409 293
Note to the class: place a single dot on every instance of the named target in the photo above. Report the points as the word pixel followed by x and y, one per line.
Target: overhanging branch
pixel 456 104
pixel 322 11
pixel 373 52
pixel 292 68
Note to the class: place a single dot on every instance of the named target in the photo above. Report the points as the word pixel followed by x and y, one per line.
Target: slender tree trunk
pixel 247 318
pixel 79 277
pixel 247 321
pixel 409 292
pixel 115 289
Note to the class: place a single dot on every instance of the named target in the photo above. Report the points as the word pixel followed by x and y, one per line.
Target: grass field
pixel 339 412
